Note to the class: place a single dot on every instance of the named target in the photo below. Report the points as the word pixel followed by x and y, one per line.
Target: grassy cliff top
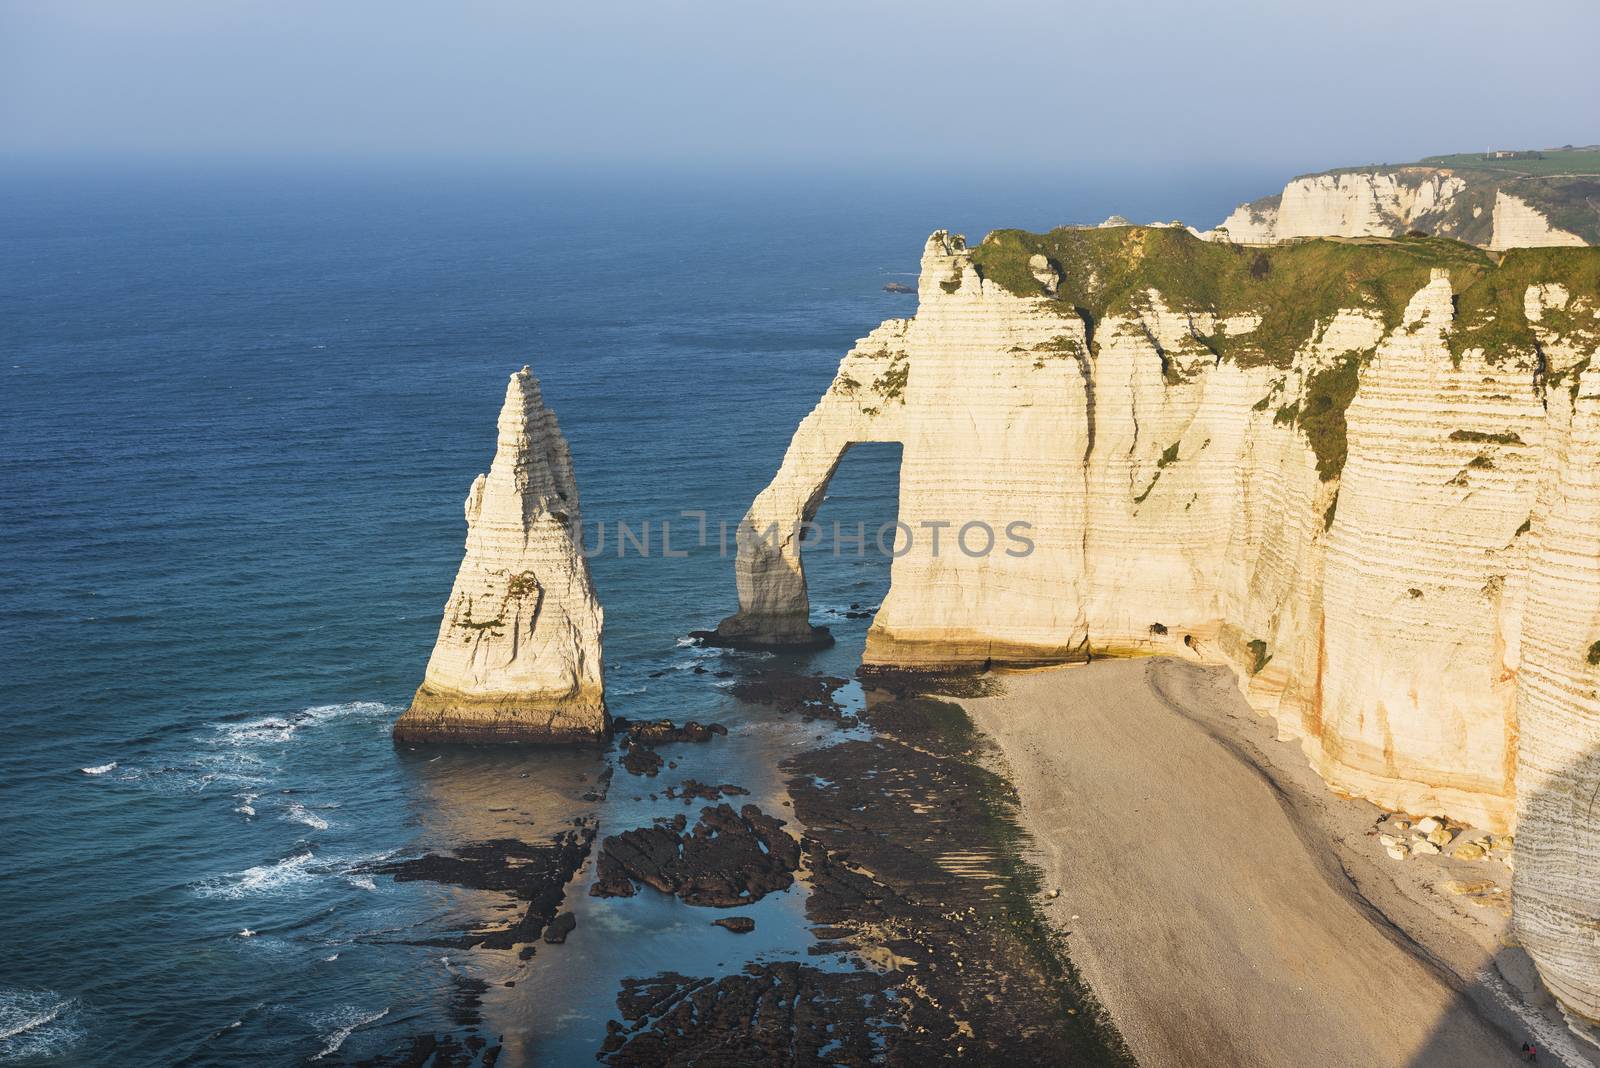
pixel 1292 287
pixel 1563 184
pixel 1546 162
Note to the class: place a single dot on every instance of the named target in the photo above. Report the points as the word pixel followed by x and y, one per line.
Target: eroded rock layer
pixel 1352 471
pixel 1556 892
pixel 518 656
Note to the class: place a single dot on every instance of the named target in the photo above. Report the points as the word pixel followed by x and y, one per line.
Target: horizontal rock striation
pixel 1351 471
pixel 518 656
pixel 1556 887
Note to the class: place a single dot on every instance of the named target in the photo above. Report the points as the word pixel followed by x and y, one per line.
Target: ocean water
pixel 239 415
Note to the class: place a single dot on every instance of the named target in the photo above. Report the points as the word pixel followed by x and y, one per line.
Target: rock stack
pixel 518 656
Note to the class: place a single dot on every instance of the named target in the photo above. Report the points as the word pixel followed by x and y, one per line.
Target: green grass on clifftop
pixel 1489 313
pixel 1295 288
pixel 1292 287
pixel 1555 161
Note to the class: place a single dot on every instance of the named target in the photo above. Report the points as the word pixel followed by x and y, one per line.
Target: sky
pixel 886 86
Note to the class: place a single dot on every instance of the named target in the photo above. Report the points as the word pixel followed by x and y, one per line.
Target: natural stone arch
pixel 865 403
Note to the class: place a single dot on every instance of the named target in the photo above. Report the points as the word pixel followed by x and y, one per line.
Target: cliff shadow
pixel 1507 997
pixel 1508 992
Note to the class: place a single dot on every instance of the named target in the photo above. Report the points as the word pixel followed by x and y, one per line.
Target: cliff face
pixel 1344 469
pixel 1518 224
pixel 1348 205
pixel 1491 209
pixel 1557 881
pixel 518 655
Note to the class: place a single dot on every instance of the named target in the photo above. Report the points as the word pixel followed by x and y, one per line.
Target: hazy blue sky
pixel 862 85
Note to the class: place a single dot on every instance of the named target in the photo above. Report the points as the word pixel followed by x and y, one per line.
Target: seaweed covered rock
pixel 729 858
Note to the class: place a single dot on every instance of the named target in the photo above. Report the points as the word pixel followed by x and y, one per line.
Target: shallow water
pixel 239 416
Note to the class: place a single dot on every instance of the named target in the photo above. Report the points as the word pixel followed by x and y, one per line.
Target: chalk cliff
pixel 1358 204
pixel 1518 224
pixel 1354 472
pixel 518 654
pixel 1491 203
pixel 1557 880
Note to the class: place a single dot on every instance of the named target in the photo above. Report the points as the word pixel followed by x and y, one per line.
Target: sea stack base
pixel 512 719
pixel 737 632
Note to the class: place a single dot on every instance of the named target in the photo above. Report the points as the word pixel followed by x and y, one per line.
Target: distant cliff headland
pixel 1499 200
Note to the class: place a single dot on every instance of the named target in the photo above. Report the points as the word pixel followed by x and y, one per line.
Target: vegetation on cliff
pixel 1560 183
pixel 1292 288
pixel 1295 289
pixel 1490 315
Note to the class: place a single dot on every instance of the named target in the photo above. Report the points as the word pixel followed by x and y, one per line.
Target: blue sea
pixel 240 411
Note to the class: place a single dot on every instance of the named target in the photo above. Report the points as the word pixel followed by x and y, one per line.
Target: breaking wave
pixel 298 813
pixel 344 1023
pixel 290 873
pixel 36 1024
pixel 276 730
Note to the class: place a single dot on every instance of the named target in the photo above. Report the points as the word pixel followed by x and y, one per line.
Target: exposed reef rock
pixel 694 789
pixel 915 868
pixel 518 655
pixel 665 732
pixel 536 874
pixel 809 696
pixel 1351 471
pixel 729 859
pixel 778 1013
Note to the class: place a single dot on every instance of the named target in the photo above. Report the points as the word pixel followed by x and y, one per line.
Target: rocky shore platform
pixel 932 947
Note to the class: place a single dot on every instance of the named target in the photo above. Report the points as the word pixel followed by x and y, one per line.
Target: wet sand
pixel 1224 906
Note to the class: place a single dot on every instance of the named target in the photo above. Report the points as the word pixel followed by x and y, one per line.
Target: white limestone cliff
pixel 1392 203
pixel 1518 224
pixel 866 402
pixel 1347 204
pixel 1413 597
pixel 1556 888
pixel 518 657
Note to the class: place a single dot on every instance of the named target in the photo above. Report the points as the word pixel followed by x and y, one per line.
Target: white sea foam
pixel 298 813
pixel 246 754
pixel 287 874
pixel 252 732
pixel 276 730
pixel 36 1024
pixel 344 1023
pixel 99 769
